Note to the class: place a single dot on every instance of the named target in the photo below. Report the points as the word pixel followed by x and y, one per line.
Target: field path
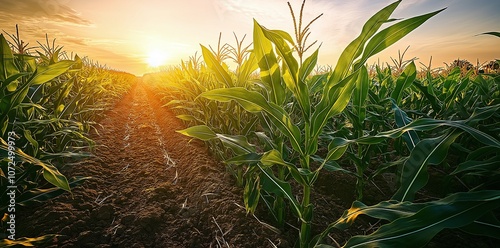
pixel 150 187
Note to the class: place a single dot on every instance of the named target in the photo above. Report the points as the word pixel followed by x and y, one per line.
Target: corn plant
pixel 290 77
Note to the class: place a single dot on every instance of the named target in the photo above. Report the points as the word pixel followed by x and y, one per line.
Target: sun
pixel 156 58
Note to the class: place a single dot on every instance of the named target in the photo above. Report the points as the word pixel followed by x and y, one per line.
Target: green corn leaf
pixel 308 66
pixel 411 137
pixel 392 34
pixel 254 102
pixel 268 159
pixel 336 149
pixel 385 210
pixel 50 173
pixel 186 117
pixel 251 194
pixel 360 94
pixel 487 225
pixel 69 109
pixel 486 167
pixel 459 85
pixel 219 71
pixel 482 113
pixel 431 97
pixel 41 75
pixel 274 185
pixel 485 151
pixel 414 172
pixel 66 89
pixel 317 82
pixel 7 66
pixel 246 69
pixel 11 83
pixel 455 211
pixel 355 48
pixel 5 123
pixel 268 64
pixel 41 195
pixel 284 50
pixel 497 34
pixel 290 69
pixel 331 165
pixel 201 132
pixel 404 81
pixel 33 142
pixel 44 74
pixel 274 157
pixel 326 109
pixel 248 158
pixel 53 176
pixel 238 143
pixel 426 124
pixel 413 213
pixel 251 101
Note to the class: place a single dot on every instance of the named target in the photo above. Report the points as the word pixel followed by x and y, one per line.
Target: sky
pixel 138 36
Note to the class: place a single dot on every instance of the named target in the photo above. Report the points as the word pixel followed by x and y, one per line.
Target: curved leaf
pixel 410 137
pixel 414 173
pixel 404 81
pixel 268 64
pixel 426 124
pixel 392 34
pixel 7 66
pixel 50 172
pixel 238 143
pixel 455 211
pixel 44 74
pixel 201 132
pixel 355 48
pixel 254 102
pixel 212 63
pixel 360 94
pixel 497 34
pixel 274 185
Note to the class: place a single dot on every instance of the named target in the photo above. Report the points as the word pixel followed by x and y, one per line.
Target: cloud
pixel 52 10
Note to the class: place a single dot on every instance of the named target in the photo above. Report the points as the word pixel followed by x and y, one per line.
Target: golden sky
pixel 132 35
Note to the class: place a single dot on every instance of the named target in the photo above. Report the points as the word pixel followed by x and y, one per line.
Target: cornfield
pixel 278 122
pixel 279 130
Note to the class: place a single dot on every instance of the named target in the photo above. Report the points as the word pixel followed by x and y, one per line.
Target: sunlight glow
pixel 156 58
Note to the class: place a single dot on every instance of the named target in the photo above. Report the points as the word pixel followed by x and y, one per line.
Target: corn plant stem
pixel 280 203
pixel 360 169
pixel 305 228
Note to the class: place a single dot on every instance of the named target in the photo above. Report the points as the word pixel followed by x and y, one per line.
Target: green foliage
pixel 300 124
pixel 49 105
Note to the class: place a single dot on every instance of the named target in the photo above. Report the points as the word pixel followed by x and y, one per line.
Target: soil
pixel 153 187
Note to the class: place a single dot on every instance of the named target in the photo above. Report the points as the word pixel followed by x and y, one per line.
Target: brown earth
pixel 153 187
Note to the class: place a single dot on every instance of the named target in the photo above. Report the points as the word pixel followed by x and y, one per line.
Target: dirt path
pixel 150 187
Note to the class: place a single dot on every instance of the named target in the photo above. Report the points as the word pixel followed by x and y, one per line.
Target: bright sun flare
pixel 156 58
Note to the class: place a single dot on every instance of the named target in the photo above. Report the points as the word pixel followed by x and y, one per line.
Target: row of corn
pixel 50 102
pixel 279 122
